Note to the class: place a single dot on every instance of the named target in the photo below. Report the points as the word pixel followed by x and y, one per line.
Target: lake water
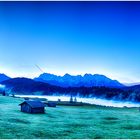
pixel 95 101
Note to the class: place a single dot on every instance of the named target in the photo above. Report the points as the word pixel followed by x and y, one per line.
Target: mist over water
pixel 96 101
pixel 2 86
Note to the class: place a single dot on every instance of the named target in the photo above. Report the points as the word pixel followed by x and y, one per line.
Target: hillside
pixel 3 77
pixel 29 86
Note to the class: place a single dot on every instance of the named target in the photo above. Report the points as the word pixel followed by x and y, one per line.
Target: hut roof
pixel 34 104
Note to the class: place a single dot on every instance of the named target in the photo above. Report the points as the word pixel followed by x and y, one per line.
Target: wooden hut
pixel 32 107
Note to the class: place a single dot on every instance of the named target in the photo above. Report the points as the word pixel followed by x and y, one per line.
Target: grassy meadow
pixel 66 122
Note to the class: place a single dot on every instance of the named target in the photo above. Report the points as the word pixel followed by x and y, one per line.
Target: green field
pixel 68 122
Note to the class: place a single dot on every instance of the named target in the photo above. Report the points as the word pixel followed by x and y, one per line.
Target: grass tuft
pixel 132 127
pixel 14 120
pixel 110 118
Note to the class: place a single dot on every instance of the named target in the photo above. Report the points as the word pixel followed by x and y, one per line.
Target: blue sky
pixel 70 37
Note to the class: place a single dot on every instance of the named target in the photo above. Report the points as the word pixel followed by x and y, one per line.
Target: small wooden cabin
pixel 32 107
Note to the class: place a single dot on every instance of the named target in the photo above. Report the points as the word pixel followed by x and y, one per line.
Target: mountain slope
pixel 28 86
pixel 88 80
pixel 3 77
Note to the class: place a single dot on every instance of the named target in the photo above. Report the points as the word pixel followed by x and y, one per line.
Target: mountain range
pixel 88 80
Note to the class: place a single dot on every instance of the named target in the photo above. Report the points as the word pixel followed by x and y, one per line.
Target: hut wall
pixel 26 108
pixel 38 110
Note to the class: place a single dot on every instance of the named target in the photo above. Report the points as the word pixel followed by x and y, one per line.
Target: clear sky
pixel 71 37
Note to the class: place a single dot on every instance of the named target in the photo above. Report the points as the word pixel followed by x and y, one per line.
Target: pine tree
pixel 75 100
pixel 71 99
